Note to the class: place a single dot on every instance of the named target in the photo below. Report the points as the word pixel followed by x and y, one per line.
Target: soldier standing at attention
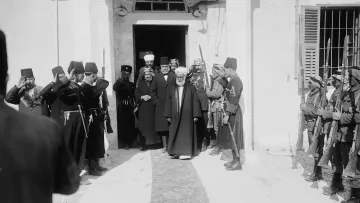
pixel 215 92
pixel 310 110
pixel 95 141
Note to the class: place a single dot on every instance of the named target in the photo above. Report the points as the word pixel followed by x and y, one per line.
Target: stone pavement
pixel 265 178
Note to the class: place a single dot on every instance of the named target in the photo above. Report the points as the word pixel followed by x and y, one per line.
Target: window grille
pixel 160 6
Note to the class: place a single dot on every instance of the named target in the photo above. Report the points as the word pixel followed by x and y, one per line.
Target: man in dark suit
pixel 35 161
pixel 158 95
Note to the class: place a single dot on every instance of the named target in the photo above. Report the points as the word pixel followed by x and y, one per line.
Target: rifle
pixel 314 145
pixel 329 149
pixel 105 103
pixel 300 141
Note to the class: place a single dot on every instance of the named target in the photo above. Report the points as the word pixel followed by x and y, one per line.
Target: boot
pixel 227 165
pixel 93 170
pixel 236 165
pixel 164 141
pixel 216 151
pixel 98 167
pixel 335 186
pixel 354 196
pixel 203 147
pixel 316 174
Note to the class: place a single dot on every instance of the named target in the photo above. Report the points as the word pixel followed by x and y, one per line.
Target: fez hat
pixel 28 73
pixel 164 61
pixel 57 70
pixel 181 71
pixel 90 67
pixel 149 56
pixel 126 68
pixel 231 63
pixel 78 66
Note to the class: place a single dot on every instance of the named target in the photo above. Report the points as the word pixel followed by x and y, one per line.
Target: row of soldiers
pixel 343 147
pixel 216 107
pixel 74 102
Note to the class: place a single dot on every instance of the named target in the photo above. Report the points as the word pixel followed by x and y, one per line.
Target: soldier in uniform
pixel 232 118
pixel 35 160
pixel 350 117
pixel 197 78
pixel 174 64
pixel 215 92
pixel 149 66
pixel 95 142
pixel 311 112
pixel 343 136
pixel 125 108
pixel 26 94
pixel 158 91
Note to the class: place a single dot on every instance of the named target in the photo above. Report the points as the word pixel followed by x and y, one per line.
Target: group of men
pixel 177 108
pixel 342 108
pixel 74 102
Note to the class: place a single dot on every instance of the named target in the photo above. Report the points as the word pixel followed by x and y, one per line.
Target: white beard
pixel 180 84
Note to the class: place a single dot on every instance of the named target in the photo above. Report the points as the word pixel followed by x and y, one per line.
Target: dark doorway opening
pixel 169 40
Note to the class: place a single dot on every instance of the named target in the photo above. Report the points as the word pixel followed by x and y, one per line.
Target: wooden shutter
pixel 309 41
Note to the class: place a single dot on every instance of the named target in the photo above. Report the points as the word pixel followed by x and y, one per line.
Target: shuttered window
pixel 309 40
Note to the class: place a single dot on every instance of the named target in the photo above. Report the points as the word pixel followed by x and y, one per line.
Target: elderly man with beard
pixel 215 93
pixel 158 93
pixel 311 112
pixel 26 94
pixel 125 108
pixel 182 110
pixel 146 113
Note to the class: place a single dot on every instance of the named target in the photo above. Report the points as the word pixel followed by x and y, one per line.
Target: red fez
pixel 126 68
pixel 231 63
pixel 78 66
pixel 28 73
pixel 91 67
pixel 57 70
pixel 164 61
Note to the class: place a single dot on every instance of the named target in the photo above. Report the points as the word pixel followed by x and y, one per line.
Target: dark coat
pixel 35 160
pixel 125 112
pixel 182 135
pixel 52 104
pixel 231 106
pixel 146 114
pixel 158 96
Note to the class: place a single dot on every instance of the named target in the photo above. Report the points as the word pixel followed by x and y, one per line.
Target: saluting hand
pixel 56 78
pixel 336 114
pixel 22 82
pixel 71 75
pixel 169 120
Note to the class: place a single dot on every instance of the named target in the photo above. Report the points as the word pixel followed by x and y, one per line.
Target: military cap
pixel 90 67
pixel 231 63
pixel 57 70
pixel 164 61
pixel 197 62
pixel 149 56
pixel 126 68
pixel 28 73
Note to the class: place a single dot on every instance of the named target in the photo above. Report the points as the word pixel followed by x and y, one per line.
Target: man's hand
pixel 71 75
pixel 336 115
pixel 169 120
pixel 56 78
pixel 21 82
pixel 226 119
pixel 195 119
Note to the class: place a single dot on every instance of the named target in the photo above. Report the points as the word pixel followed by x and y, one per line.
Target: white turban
pixel 181 71
pixel 149 57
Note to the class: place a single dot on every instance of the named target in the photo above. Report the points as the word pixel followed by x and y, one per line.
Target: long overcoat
pixel 146 114
pixel 182 134
pixel 158 97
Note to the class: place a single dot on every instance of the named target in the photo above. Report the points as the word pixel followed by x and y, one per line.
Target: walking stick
pixel 83 147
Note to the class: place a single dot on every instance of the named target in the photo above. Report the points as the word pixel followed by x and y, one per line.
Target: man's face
pixel 125 75
pixel 61 76
pixel 227 72
pixel 30 82
pixel 312 85
pixel 148 77
pixel 164 69
pixel 149 63
pixel 79 77
pixel 180 80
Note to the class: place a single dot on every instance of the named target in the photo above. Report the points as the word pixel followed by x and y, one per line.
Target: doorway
pixel 162 40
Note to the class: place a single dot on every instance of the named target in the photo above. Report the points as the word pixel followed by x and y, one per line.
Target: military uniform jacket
pixel 313 103
pixel 328 111
pixel 216 93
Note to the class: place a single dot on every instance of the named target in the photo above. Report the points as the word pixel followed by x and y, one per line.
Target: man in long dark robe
pixel 182 110
pixel 158 96
pixel 35 160
pixel 125 108
pixel 26 94
pixel 232 116
pixel 149 66
pixel 95 147
pixel 146 113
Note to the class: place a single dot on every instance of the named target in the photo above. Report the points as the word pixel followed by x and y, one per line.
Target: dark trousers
pixel 340 157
